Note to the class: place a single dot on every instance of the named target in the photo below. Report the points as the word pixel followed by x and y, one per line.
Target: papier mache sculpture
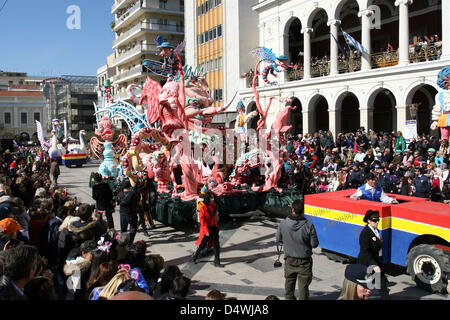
pixel 176 116
pixel 441 111
pixel 109 166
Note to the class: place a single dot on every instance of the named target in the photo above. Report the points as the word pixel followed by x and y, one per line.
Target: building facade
pixel 21 103
pixel 137 24
pixel 219 36
pixel 337 88
pixel 71 98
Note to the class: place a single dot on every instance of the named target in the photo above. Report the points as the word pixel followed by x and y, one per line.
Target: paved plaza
pixel 248 253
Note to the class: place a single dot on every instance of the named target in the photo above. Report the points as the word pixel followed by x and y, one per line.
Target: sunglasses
pixel 375 219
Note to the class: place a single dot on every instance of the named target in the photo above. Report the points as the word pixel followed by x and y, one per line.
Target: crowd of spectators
pixel 320 163
pixel 54 247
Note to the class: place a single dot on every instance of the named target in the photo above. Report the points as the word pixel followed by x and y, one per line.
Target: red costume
pixel 206 221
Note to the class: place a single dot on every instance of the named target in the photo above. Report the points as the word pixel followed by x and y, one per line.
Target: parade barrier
pixel 415 232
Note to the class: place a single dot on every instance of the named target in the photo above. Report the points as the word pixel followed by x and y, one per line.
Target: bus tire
pixel 427 264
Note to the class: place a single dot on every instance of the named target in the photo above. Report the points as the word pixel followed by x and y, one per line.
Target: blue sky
pixel 34 37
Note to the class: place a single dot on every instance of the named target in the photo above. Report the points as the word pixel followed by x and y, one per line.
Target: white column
pixel 366 118
pixel 307 52
pixel 306 126
pixel 445 30
pixel 334 29
pixel 403 33
pixel 366 41
pixel 334 121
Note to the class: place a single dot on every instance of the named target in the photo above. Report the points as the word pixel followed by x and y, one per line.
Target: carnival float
pixel 172 141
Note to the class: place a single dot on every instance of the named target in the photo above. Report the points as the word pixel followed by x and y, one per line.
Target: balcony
pixel 119 4
pixel 150 6
pixel 130 54
pixel 122 76
pixel 147 27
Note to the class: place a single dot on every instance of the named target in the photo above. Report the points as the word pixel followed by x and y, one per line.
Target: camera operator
pixel 299 237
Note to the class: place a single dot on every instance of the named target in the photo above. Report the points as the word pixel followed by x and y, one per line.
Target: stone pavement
pixel 248 252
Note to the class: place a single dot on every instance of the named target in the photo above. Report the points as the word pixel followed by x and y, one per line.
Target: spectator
pixel 40 289
pixel 299 238
pixel 19 267
pixel 54 171
pixel 214 294
pixel 102 194
pixel 128 199
pixel 422 184
pixel 355 285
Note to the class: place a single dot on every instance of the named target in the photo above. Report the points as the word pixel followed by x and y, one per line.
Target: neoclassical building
pixel 336 88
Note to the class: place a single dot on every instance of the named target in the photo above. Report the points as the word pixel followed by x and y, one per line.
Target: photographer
pixel 299 238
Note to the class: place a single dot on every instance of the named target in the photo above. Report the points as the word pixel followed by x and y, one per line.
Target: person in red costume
pixel 209 230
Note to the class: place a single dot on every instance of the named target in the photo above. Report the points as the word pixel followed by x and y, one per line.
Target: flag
pixel 353 43
pixel 340 47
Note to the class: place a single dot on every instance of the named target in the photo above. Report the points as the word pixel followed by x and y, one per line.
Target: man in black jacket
pixel 356 178
pixel 102 194
pixel 299 237
pixel 19 267
pixel 128 199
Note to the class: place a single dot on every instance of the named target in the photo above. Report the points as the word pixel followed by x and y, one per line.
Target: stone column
pixel 366 118
pixel 307 52
pixel 334 50
pixel 366 63
pixel 306 126
pixel 334 121
pixel 403 33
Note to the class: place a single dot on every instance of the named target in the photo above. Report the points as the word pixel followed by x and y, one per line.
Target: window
pixel 220 94
pixel 163 21
pixel 37 116
pixel 202 38
pixel 219 30
pixel 215 33
pixel 206 6
pixel 210 34
pixel 202 6
pixel 162 4
pixel 7 117
pixel 206 36
pixel 182 5
pixel 218 2
pixel 23 118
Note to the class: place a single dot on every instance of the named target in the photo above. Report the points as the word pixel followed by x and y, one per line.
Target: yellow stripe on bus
pixel 385 223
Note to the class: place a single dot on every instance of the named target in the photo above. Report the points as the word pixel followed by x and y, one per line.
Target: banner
pixel 410 130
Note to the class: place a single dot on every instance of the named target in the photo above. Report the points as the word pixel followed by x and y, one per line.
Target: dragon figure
pixel 276 64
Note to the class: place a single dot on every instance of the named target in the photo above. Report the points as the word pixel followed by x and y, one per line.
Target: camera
pixel 277 263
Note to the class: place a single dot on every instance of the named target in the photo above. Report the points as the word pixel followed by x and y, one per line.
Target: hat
pixel 398 151
pixel 369 214
pixel 165 45
pixel 407 150
pixel 240 105
pixel 9 226
pixel 88 246
pixel 282 57
pixel 377 149
pixel 431 150
pixel 357 273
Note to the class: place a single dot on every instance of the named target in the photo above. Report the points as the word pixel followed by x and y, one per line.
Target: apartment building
pixel 137 24
pixel 219 36
pixel 333 86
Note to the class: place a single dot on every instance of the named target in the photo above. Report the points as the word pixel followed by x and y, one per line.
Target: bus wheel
pixel 427 265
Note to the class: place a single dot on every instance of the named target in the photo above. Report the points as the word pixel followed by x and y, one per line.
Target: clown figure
pixel 441 111
pixel 241 120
